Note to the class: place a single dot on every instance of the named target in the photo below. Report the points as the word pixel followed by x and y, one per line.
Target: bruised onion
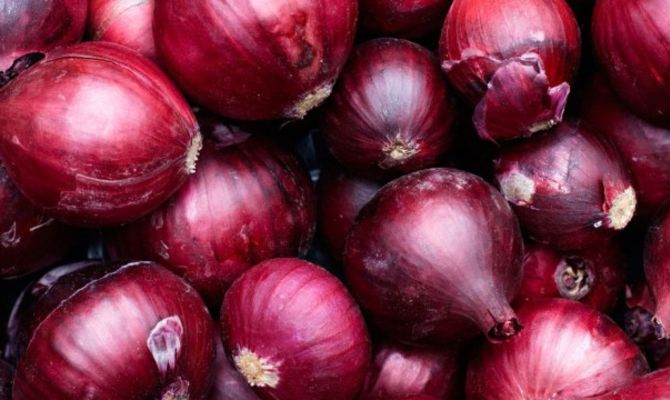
pixel 436 256
pixel 653 386
pixel 391 112
pixel 569 188
pixel 594 276
pixel 657 272
pixel 399 371
pixel 96 135
pixel 631 42
pixel 127 22
pixel 248 202
pixel 129 331
pixel 566 350
pixel 255 60
pixel 403 18
pixel 294 332
pixel 229 384
pixel 514 60
pixel 28 26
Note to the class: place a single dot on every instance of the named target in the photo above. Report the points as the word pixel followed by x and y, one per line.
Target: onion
pixel 341 196
pixel 514 60
pixel 247 203
pixel 6 377
pixel 294 332
pixel 644 147
pixel 403 18
pixel 96 135
pixel 569 188
pixel 566 350
pixel 28 26
pixel 127 22
pixel 400 371
pixel 229 384
pixel 638 73
pixel 391 112
pixel 129 331
pixel 435 255
pixel 653 386
pixel 657 272
pixel 594 276
pixel 256 59
pixel 29 240
pixel 638 315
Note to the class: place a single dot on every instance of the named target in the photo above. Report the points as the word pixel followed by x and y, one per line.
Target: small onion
pixel 229 384
pixel 403 18
pixel 595 277
pixel 96 135
pixel 653 386
pixel 436 256
pixel 566 350
pixel 391 112
pixel 514 60
pixel 399 371
pixel 657 272
pixel 569 188
pixel 127 22
pixel 248 202
pixel 130 331
pixel 294 332
pixel 249 59
pixel 631 40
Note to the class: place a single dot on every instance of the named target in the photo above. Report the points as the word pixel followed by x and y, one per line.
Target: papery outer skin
pixel 255 59
pixel 399 371
pixel 566 350
pixel 93 343
pixel 639 74
pixel 246 203
pixel 657 271
pixel 96 135
pixel 28 26
pixel 6 378
pixel 126 22
pixel 303 320
pixel 605 262
pixel 653 386
pixel 644 147
pixel 29 240
pixel 403 18
pixel 562 185
pixel 435 257
pixel 229 384
pixel 491 39
pixel 391 95
pixel 341 196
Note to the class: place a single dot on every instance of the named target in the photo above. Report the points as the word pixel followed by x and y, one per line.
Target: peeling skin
pixel 518 188
pixel 622 209
pixel 258 371
pixel 309 101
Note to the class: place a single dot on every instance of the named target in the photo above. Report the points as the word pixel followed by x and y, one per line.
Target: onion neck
pixel 499 322
pixel 574 278
pixel 19 66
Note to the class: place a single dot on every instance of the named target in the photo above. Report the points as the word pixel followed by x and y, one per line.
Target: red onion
pixel 229 384
pixel 631 41
pixel 247 203
pixel 653 386
pixel 638 315
pixel 294 332
pixel 514 60
pixel 341 196
pixel 29 240
pixel 127 22
pixel 96 135
pixel 391 112
pixel 403 18
pixel 256 59
pixel 595 276
pixel 28 26
pixel 657 272
pixel 435 255
pixel 6 378
pixel 399 371
pixel 566 350
pixel 128 332
pixel 569 188
pixel 644 147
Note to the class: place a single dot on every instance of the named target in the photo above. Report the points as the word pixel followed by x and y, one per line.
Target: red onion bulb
pixel 566 350
pixel 132 331
pixel 96 135
pixel 631 42
pixel 514 60
pixel 403 18
pixel 256 59
pixel 247 203
pixel 28 26
pixel 569 188
pixel 229 384
pixel 657 272
pixel 435 256
pixel 294 332
pixel 391 112
pixel 400 371
pixel 653 386
pixel 127 22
